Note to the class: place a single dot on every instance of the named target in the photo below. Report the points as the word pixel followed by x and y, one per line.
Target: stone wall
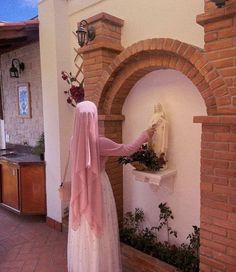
pixel 22 130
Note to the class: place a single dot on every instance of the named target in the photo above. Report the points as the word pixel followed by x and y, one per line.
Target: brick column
pixel 220 47
pixel 111 126
pixel 218 193
pixel 98 54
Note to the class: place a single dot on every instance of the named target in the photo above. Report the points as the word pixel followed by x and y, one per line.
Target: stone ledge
pixel 155 178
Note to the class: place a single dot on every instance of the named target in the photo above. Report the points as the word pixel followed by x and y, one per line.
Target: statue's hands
pixel 150 131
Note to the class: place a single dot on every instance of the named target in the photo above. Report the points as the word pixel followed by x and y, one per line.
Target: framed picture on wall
pixel 24 103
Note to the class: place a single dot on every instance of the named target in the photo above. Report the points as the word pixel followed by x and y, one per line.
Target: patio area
pixel 27 244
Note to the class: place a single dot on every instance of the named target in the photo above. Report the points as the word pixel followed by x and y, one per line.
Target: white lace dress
pixel 87 252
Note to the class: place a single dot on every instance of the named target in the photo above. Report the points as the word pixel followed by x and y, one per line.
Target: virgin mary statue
pixel 159 141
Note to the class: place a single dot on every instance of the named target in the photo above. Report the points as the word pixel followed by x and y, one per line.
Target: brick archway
pixel 152 54
pixel 110 73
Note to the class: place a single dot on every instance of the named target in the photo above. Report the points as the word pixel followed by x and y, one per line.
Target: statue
pixel 159 141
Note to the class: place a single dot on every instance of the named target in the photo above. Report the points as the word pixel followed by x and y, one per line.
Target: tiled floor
pixel 27 244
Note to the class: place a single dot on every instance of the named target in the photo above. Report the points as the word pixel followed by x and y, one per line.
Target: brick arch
pixel 152 54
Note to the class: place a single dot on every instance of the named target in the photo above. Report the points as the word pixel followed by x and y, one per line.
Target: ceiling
pixel 15 35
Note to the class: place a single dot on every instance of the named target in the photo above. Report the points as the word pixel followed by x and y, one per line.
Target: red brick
pixel 226 72
pixel 227 225
pixel 212 263
pixel 232 234
pixel 224 100
pixel 206 237
pixel 208 137
pixel 225 173
pixel 225 137
pixel 224 155
pixel 215 163
pixel 224 258
pixel 214 229
pixel 206 251
pixel 220 44
pixel 210 36
pixel 206 187
pixel 228 32
pixel 231 251
pixel 232 218
pixel 218 82
pixel 219 25
pixel 215 128
pixel 214 213
pixel 183 47
pixel 232 147
pixel 205 267
pixel 214 179
pixel 232 182
pixel 221 54
pixel 218 197
pixel 221 91
pixel 224 63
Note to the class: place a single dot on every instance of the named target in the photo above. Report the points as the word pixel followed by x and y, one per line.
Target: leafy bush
pixel 185 257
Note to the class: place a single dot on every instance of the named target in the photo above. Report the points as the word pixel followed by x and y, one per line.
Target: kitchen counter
pixel 22 182
pixel 20 158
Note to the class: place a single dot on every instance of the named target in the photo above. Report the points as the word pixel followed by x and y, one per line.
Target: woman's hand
pixel 150 131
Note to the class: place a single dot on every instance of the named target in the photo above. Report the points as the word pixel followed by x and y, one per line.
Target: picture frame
pixel 24 100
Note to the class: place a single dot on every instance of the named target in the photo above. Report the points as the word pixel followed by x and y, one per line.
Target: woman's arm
pixel 110 148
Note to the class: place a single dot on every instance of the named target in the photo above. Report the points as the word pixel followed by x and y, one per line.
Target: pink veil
pixel 86 195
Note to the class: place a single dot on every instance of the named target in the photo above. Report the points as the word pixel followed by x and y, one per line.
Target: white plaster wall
pixel 146 19
pixel 181 101
pixel 55 57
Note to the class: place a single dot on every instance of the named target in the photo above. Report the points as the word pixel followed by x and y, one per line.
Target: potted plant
pixel 39 148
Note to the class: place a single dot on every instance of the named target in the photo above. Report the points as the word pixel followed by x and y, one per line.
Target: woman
pixel 93 240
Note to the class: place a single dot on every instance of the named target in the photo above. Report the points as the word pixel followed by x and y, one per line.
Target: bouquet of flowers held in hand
pixel 76 91
pixel 144 159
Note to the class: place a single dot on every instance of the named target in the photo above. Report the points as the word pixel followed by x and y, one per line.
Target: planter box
pixel 134 260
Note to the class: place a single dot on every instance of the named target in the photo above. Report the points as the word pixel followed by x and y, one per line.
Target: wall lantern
pixel 16 68
pixel 85 33
pixel 219 3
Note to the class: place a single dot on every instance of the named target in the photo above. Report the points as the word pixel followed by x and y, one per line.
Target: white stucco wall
pixel 55 57
pixel 142 20
pixel 181 101
pixel 146 19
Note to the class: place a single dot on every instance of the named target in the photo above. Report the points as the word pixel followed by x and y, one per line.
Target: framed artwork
pixel 24 103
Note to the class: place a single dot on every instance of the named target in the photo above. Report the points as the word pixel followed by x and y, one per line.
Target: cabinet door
pixel 10 192
pixel 32 189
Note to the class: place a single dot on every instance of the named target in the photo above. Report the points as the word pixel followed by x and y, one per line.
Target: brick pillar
pixel 218 193
pixel 111 126
pixel 98 54
pixel 220 47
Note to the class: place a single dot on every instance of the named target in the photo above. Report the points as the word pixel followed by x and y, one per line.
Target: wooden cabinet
pixel 10 190
pixel 23 187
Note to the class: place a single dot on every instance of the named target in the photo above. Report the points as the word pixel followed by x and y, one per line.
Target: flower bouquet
pixel 145 159
pixel 76 91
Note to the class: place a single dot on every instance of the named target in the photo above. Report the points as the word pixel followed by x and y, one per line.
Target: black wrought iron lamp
pixel 16 68
pixel 219 3
pixel 85 33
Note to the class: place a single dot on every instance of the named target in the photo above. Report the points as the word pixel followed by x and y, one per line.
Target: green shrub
pixel 184 257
